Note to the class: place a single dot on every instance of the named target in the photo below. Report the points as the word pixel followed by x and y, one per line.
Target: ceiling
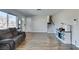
pixel 33 12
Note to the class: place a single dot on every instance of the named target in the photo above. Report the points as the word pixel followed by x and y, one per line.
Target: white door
pixel 28 24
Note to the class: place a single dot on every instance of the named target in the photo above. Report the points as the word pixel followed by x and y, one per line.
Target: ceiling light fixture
pixel 39 9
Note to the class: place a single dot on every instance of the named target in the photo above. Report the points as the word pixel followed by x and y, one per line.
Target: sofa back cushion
pixel 9 33
pixel 5 34
pixel 13 31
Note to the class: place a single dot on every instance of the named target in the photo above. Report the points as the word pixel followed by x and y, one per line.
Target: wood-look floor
pixel 42 41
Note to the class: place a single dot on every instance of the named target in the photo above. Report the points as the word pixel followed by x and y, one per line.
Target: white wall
pixel 39 23
pixel 51 29
pixel 67 17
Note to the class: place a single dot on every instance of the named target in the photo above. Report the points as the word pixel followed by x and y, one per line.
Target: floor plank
pixel 42 41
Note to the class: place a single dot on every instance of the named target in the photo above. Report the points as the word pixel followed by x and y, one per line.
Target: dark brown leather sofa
pixel 11 38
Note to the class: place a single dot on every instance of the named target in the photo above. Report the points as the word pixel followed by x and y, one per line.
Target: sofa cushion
pixel 7 43
pixel 13 31
pixel 4 47
pixel 14 35
pixel 5 36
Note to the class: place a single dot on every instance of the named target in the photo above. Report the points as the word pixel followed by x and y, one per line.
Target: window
pixel 23 24
pixel 3 20
pixel 12 21
pixel 19 24
pixel 8 20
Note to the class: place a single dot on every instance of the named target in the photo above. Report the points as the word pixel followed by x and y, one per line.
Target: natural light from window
pixel 11 21
pixel 3 20
pixel 7 20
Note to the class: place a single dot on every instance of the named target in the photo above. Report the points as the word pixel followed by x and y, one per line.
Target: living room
pixel 39 29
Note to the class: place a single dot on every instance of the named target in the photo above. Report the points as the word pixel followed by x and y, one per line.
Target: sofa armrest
pixel 9 42
pixel 5 41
